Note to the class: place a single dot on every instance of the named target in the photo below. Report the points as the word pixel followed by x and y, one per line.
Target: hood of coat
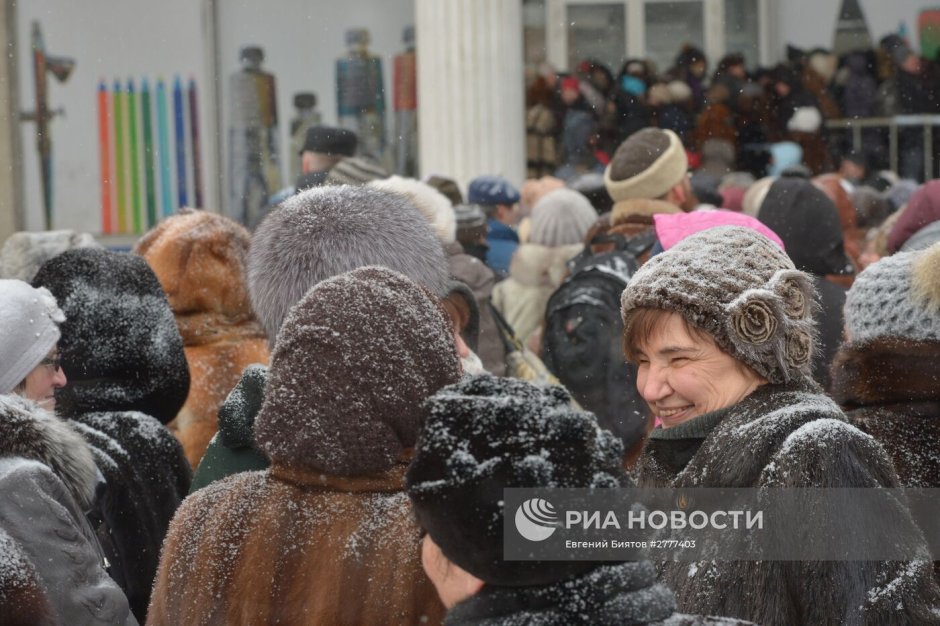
pixel 121 349
pixel 541 266
pixel 28 431
pixel 886 371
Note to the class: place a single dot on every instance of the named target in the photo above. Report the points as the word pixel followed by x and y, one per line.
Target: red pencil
pixel 104 151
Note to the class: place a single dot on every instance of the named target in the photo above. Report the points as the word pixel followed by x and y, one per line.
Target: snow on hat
pixel 897 297
pixel 647 164
pixel 326 231
pixel 30 319
pixel 121 348
pixel 331 141
pixel 354 171
pixel 24 252
pixel 354 362
pixel 491 190
pixel 562 217
pixel 487 434
pixel 739 287
pixel 434 206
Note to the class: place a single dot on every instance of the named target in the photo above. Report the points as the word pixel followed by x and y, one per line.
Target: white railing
pixel 927 122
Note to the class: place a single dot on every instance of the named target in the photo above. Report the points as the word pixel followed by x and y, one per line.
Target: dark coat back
pixel 790 437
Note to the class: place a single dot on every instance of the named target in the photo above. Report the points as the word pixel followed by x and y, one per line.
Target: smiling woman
pixel 721 327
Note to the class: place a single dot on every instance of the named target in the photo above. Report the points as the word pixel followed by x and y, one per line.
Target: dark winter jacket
pixel 787 436
pixel 611 595
pixel 233 449
pixel 860 97
pixel 47 479
pixel 122 354
pixel 889 389
pixel 830 322
pixel 919 92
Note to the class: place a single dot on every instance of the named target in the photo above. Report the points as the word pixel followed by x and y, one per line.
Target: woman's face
pixel 40 384
pixel 682 376
pixel 453 584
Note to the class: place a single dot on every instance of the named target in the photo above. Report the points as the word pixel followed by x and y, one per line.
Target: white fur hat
pixel 434 205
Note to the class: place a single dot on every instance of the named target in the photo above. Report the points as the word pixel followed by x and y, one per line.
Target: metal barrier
pixel 928 122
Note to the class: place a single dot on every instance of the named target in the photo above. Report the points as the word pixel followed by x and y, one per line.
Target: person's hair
pixel 489 210
pixel 645 322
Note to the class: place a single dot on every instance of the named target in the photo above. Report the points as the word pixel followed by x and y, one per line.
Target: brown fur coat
pixel 289 546
pixel 890 390
pixel 199 258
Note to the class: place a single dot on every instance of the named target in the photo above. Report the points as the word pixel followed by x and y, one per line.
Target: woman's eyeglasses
pixel 54 363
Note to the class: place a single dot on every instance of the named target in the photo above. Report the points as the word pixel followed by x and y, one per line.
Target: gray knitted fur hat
pixel 740 288
pixel 898 297
pixel 561 218
pixel 325 231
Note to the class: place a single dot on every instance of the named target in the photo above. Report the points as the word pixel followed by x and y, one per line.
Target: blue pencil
pixel 179 125
pixel 163 131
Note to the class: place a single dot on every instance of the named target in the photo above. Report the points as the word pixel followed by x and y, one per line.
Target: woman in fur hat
pixel 127 376
pixel 324 536
pixel 721 328
pixel 885 373
pixel 200 259
pixel 52 567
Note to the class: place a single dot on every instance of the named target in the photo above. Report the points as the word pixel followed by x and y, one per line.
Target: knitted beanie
pixel 562 217
pixel 326 231
pixel 434 206
pixel 353 364
pixel 488 434
pixel 897 297
pixel 647 164
pixel 354 171
pixel 24 252
pixel 29 319
pixel 121 348
pixel 740 288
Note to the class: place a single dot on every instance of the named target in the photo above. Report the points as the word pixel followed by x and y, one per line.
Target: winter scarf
pixel 621 594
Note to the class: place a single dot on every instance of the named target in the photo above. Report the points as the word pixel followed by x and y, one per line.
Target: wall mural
pixel 146 152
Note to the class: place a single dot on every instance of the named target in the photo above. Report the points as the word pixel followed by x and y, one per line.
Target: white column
pixel 471 110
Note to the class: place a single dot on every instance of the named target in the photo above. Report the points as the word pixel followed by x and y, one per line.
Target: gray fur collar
pixel 29 431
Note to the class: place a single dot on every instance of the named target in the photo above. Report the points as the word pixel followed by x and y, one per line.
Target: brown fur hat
pixel 200 259
pixel 353 363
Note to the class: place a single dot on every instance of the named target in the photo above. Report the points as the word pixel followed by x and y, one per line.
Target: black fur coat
pixel 790 436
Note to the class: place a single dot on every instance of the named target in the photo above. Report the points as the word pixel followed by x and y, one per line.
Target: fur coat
pixel 789 436
pixel 534 273
pixel 52 568
pixel 889 390
pixel 200 260
pixel 289 546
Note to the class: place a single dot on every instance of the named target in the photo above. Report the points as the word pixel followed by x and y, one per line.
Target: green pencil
pixel 136 208
pixel 118 103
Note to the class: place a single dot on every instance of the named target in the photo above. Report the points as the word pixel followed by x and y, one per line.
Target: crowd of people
pixel 731 118
pixel 313 422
